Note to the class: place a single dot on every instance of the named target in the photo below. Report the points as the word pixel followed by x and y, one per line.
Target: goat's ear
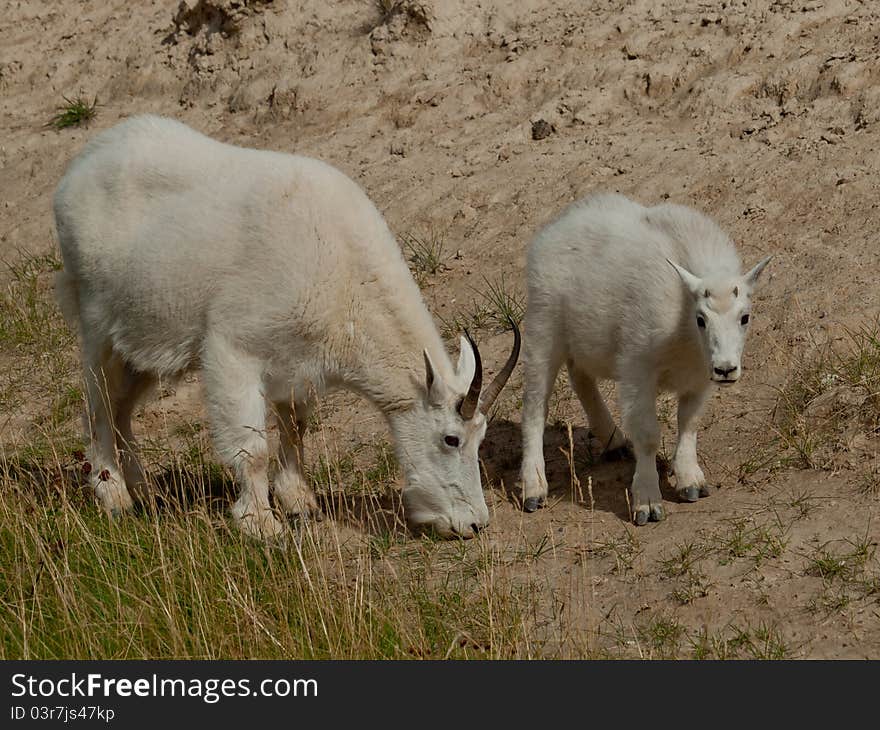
pixel 434 384
pixel 693 283
pixel 751 278
pixel 467 364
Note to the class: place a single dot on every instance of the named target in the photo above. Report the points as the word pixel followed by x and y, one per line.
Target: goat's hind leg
pixel 292 492
pixel 614 443
pixel 133 386
pixel 104 376
pixel 237 408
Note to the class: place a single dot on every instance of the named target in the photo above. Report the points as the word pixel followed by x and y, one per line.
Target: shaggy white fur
pixel 650 297
pixel 277 276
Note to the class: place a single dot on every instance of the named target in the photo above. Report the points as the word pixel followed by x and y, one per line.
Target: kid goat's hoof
pixel 692 494
pixel 533 504
pixel 654 513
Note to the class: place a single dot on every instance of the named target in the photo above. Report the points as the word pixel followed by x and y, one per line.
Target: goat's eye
pixel 452 441
pixel 701 323
pixel 745 320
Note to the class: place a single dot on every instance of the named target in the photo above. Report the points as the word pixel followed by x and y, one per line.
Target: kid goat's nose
pixel 725 371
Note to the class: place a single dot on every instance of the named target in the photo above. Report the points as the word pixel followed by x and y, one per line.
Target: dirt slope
pixel 765 115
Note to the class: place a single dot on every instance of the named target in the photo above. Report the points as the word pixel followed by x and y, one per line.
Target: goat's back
pixel 168 234
pixel 599 272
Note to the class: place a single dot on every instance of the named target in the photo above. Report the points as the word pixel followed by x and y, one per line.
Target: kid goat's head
pixel 438 444
pixel 721 314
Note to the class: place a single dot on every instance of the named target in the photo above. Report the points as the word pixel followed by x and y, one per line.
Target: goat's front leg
pixel 234 393
pixel 638 405
pixel 292 492
pixel 103 374
pixel 690 481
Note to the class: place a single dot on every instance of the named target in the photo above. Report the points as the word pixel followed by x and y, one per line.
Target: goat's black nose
pixel 723 372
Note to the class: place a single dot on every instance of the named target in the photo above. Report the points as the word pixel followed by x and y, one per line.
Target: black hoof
pixel 689 494
pixel 658 514
pixel 533 504
pixel 641 516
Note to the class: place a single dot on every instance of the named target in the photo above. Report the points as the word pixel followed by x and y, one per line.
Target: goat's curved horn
pixel 497 385
pixel 471 401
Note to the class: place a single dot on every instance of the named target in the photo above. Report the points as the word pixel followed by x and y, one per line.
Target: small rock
pixel 541 129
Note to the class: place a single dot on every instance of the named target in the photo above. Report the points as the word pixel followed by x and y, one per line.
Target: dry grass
pixel 829 399
pixel 176 579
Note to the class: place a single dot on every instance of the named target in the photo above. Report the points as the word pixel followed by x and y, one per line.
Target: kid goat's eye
pixel 701 323
pixel 745 320
pixel 451 441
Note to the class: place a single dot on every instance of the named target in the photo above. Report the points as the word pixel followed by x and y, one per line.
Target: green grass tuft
pixel 74 112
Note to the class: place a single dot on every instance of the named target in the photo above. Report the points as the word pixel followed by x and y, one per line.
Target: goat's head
pixel 438 443
pixel 721 313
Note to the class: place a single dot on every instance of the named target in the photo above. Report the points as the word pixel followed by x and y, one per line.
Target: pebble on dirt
pixel 541 129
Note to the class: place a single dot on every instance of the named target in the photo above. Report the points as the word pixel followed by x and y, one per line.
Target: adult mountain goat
pixel 278 277
pixel 650 297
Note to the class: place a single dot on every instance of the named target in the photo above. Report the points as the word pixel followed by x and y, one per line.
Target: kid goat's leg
pixel 691 483
pixel 542 360
pixel 601 423
pixel 638 404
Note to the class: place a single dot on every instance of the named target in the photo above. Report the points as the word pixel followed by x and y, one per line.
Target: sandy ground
pixel 766 115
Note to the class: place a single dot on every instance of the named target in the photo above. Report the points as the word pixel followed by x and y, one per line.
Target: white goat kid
pixel 604 299
pixel 277 276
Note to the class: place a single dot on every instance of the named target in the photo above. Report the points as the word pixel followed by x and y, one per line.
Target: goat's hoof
pixel 260 524
pixel 658 514
pixel 533 504
pixel 641 516
pixel 689 494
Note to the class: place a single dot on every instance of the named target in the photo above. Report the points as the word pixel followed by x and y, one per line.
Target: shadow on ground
pixel 569 478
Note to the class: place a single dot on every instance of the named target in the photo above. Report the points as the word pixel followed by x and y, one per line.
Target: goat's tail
pixel 67 296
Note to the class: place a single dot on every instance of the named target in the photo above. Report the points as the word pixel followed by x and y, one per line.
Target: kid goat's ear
pixel 692 282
